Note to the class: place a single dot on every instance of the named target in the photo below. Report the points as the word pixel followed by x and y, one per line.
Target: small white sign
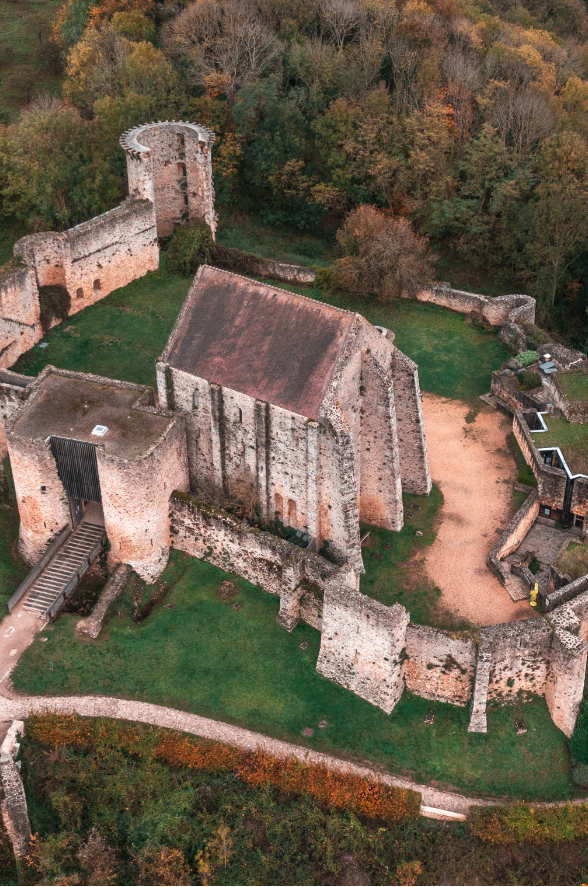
pixel 99 430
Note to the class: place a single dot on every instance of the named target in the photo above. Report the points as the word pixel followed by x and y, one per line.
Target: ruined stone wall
pixel 520 653
pixel 361 646
pixel 551 482
pixel 565 681
pixel 579 504
pixel 265 560
pixel 380 502
pixel 575 412
pixel 135 495
pixel 171 164
pixel 20 317
pixel 97 257
pixel 496 311
pixel 13 391
pixel 439 665
pixel 14 804
pixel 42 502
pixel 414 459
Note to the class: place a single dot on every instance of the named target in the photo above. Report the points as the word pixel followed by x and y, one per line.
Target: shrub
pixel 528 380
pixel 518 823
pixel 526 358
pixel 55 303
pixel 189 247
pixel 580 775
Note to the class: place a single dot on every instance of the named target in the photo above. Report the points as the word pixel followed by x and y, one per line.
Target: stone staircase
pixel 516 588
pixel 478 722
pixel 60 576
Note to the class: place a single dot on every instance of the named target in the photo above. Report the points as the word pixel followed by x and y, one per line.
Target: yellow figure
pixel 534 594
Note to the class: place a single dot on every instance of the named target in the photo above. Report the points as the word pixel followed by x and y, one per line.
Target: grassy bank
pixel 241 666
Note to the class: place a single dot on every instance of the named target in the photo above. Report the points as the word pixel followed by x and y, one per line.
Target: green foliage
pixel 527 477
pixel 534 566
pixel 189 247
pixel 528 380
pixel 580 775
pixel 55 303
pixel 525 358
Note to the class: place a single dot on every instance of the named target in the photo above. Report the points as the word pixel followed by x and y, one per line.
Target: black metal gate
pixel 77 468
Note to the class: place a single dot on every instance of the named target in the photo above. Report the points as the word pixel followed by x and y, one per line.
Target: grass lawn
pixel 574 560
pixel 574 385
pixel 571 438
pixel 241 666
pixel 20 22
pixel 119 337
pixel 12 567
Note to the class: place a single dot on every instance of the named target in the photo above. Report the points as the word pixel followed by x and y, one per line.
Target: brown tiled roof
pixel 262 341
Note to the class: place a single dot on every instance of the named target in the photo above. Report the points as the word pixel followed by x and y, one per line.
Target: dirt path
pixel 17 631
pixel 475 471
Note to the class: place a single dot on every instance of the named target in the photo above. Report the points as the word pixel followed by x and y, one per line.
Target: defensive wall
pixel 508 312
pixel 170 182
pixel 374 650
pixel 574 411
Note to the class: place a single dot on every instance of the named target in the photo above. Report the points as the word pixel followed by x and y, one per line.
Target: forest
pixel 465 120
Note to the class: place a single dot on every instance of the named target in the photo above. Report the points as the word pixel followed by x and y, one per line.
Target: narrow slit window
pixel 240 415
pixel 195 401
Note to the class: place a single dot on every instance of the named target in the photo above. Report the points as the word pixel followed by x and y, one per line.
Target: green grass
pixel 119 337
pixel 391 577
pixel 240 666
pixel 277 242
pixel 571 438
pixel 12 567
pixel 574 385
pixel 574 560
pixel 19 27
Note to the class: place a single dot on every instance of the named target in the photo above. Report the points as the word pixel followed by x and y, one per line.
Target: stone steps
pixel 517 589
pixel 65 569
pixel 478 722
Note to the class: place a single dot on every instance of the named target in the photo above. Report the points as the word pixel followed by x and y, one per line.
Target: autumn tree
pixel 382 256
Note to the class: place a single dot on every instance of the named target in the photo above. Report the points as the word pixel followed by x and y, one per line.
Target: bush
pixel 580 775
pixel 189 247
pixel 529 380
pixel 526 358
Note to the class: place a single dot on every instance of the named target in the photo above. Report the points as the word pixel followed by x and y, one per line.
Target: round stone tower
pixel 170 164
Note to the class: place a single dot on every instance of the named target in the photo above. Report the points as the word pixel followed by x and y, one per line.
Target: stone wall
pixel 14 804
pixel 508 312
pixel 520 654
pixel 574 411
pixel 13 391
pixel 551 482
pixel 135 494
pixel 439 665
pixel 361 646
pixel 20 316
pixel 170 164
pixel 565 683
pixel 513 535
pixel 414 459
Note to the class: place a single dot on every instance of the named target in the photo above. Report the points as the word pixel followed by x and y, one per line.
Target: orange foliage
pixel 344 791
pixel 105 9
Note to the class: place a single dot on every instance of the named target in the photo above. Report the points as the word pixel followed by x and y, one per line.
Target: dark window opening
pixel 240 415
pixel 79 293
pixel 97 286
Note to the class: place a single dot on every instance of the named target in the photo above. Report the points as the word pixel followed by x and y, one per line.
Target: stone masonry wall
pixel 513 536
pixel 42 502
pixel 576 411
pixel 14 804
pixel 496 311
pixel 20 317
pixel 520 654
pixel 13 391
pixel 439 665
pixel 170 163
pixel 361 646
pixel 135 494
pixel 414 459
pixel 551 482
pixel 565 681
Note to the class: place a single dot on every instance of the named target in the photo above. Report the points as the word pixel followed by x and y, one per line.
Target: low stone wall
pixel 513 536
pixel 92 624
pixel 502 386
pixel 439 665
pixel 565 593
pixel 574 411
pixel 253 266
pixel 520 656
pixel 14 805
pixel 508 312
pixel 551 482
pixel 13 390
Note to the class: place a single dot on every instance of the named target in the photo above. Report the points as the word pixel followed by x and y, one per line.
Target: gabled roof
pixel 273 345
